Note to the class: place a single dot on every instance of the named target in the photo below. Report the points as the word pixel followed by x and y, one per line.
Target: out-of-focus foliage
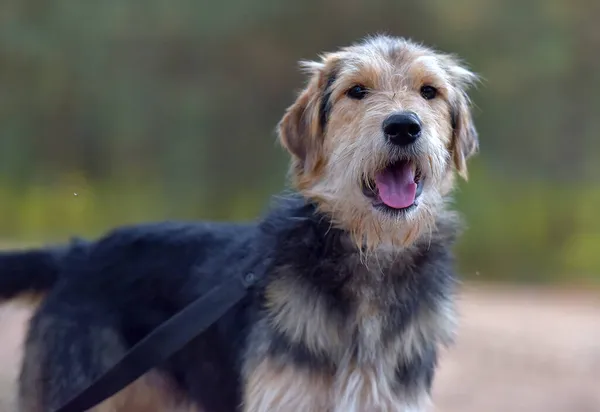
pixel 114 112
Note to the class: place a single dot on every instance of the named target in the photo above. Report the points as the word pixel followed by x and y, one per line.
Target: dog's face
pixel 377 135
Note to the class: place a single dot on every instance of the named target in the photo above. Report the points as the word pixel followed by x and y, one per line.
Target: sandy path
pixel 523 351
pixel 518 350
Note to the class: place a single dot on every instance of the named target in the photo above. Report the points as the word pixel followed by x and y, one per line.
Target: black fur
pixel 106 295
pixel 32 271
pixel 325 105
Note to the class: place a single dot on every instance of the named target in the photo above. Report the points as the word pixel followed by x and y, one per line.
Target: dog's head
pixel 377 136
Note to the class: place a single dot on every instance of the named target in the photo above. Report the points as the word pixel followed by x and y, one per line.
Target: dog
pixel 358 294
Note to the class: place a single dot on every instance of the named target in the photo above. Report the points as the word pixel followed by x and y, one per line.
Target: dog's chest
pixel 393 378
pixel 281 387
pixel 366 345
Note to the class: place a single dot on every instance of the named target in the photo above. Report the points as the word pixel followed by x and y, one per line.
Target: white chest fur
pixel 365 378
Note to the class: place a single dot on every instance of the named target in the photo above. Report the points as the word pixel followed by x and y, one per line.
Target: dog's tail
pixel 31 271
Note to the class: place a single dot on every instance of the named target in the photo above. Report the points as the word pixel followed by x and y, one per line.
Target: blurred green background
pixel 116 112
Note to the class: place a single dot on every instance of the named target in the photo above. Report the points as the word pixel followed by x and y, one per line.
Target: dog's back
pixel 36 271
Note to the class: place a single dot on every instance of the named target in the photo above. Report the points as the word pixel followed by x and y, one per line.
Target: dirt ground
pixel 518 350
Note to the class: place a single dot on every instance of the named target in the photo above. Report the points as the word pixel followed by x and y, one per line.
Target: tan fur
pixel 304 318
pixel 150 393
pixel 329 165
pixel 359 388
pixel 27 300
pixel 280 387
pixel 276 387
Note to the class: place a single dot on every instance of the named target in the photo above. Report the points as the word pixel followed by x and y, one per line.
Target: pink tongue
pixel 396 185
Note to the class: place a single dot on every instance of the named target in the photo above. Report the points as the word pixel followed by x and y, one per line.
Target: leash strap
pixel 163 342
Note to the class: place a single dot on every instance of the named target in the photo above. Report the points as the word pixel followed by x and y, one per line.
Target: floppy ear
pixel 465 140
pixel 301 128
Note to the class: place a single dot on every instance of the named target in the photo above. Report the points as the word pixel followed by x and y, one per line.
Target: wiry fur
pixel 355 302
pixel 366 331
pixel 332 158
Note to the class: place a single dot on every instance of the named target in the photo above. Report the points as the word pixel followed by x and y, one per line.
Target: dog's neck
pixel 295 215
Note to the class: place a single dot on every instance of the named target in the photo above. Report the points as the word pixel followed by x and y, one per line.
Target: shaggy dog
pixel 358 292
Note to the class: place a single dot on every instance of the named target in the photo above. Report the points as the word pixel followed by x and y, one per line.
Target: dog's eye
pixel 357 92
pixel 428 92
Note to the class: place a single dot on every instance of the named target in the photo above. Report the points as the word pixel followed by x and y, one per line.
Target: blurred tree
pixel 168 110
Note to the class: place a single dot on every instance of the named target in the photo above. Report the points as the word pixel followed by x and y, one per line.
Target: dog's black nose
pixel 402 128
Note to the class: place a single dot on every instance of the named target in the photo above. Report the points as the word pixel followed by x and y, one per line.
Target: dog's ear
pixel 465 139
pixel 302 127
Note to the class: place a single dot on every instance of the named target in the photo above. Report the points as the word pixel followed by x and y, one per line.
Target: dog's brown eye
pixel 428 92
pixel 357 92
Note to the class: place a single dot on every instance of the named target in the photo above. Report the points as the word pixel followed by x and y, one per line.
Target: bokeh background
pixel 116 112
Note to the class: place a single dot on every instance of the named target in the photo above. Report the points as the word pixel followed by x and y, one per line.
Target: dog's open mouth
pixel 396 187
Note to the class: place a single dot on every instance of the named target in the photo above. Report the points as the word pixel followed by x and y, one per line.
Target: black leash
pixel 163 342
